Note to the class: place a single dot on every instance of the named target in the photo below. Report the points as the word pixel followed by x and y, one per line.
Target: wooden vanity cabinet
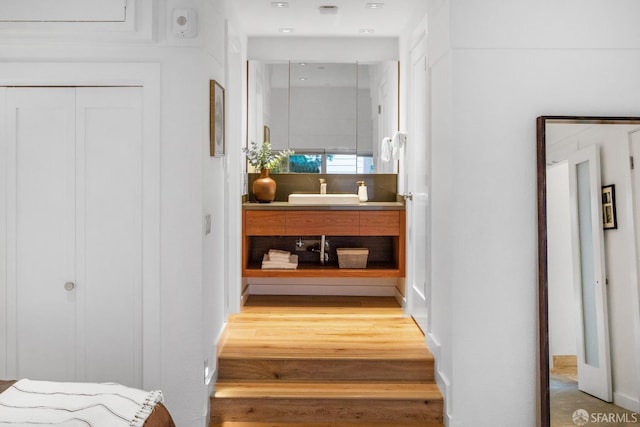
pixel 263 223
pixel 312 223
pixel 383 231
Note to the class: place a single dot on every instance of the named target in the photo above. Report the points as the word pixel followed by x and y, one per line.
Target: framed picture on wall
pixel 216 119
pixel 609 207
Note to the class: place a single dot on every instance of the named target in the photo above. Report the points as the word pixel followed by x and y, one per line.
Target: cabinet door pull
pixel 69 286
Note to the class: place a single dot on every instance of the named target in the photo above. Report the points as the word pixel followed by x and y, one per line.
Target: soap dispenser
pixel 362 191
pixel 323 186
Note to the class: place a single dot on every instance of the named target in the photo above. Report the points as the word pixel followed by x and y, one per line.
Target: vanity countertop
pixel 368 206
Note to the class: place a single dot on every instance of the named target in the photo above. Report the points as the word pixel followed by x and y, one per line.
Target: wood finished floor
pixel 566 399
pixel 324 328
pixel 324 361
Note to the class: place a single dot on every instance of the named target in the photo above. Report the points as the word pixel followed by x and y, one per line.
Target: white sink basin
pixel 324 199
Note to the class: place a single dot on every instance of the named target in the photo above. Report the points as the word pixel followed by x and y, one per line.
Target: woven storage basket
pixel 352 257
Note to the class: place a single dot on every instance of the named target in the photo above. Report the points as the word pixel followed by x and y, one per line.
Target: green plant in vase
pixel 263 159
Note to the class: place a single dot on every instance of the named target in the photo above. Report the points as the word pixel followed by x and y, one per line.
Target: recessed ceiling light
pixel 366 31
pixel 286 30
pixel 374 5
pixel 303 79
pixel 328 10
pixel 280 4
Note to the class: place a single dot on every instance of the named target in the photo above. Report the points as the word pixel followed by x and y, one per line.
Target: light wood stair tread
pixel 326 353
pixel 331 424
pixel 324 361
pixel 329 390
pixel 274 335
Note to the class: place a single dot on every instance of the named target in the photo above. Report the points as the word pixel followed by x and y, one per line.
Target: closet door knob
pixel 69 286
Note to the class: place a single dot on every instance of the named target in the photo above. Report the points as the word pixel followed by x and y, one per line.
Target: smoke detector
pixel 328 10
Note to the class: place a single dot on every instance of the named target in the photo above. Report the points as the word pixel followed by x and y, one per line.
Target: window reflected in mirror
pixel 330 163
pixel 333 115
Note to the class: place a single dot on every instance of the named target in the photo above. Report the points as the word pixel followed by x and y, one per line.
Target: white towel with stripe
pixel 30 403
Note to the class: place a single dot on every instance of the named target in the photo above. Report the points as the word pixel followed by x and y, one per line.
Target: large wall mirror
pixel 333 115
pixel 589 247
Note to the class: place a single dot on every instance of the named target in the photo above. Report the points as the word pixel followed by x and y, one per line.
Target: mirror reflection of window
pixel 331 163
pixel 336 112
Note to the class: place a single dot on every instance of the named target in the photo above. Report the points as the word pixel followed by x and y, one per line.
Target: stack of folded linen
pixel 277 259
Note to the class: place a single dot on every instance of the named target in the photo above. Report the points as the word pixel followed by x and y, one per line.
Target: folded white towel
pixel 279 255
pixel 289 264
pixel 278 252
pixel 28 403
pixel 279 266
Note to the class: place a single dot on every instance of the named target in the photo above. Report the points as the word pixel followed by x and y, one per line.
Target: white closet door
pixel 74 216
pixel 40 233
pixel 109 234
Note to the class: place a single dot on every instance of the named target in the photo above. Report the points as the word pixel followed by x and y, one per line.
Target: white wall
pixel 331 49
pixel 222 182
pixel 192 271
pixel 213 193
pixel 485 248
pixel 562 314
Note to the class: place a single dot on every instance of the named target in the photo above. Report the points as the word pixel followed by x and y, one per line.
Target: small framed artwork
pixel 609 207
pixel 216 119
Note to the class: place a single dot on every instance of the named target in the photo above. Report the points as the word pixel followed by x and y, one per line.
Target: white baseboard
pixel 402 300
pixel 443 382
pixel 433 344
pixel 627 402
pixel 445 388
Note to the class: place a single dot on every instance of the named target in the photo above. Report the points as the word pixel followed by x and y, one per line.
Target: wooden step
pixel 323 337
pixel 334 369
pixel 297 424
pixel 365 403
pixel 324 361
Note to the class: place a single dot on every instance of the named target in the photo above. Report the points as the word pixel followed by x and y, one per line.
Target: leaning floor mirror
pixel 588 251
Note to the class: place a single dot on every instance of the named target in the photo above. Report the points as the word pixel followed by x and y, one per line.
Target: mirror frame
pixel 543 279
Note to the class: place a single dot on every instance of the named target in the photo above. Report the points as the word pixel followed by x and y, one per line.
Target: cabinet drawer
pixel 267 223
pixel 380 223
pixel 306 223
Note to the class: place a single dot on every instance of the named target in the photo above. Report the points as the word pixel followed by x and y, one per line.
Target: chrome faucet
pixel 322 249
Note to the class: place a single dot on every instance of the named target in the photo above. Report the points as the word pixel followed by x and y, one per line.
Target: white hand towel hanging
pixel 397 141
pixel 386 149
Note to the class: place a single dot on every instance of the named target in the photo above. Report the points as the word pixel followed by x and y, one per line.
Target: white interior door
pixel 40 233
pixel 74 234
pixel 634 140
pixel 592 326
pixel 418 172
pixel 109 234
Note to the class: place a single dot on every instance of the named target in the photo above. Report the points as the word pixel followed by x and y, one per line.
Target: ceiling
pixel 304 17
